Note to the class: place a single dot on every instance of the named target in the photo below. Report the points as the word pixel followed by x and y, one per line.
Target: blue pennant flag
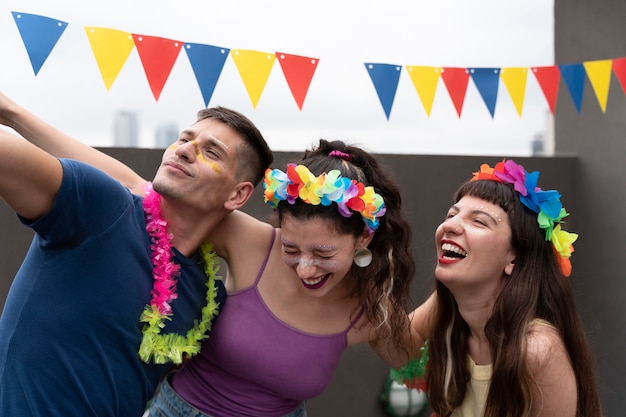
pixel 39 34
pixel 207 62
pixel 574 77
pixel 385 78
pixel 487 81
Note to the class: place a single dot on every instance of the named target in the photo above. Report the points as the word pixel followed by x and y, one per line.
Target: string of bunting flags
pixel 425 79
pixel 111 48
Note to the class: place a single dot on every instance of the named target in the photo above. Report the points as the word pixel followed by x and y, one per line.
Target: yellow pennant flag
pixel 514 80
pixel 425 80
pixel 599 73
pixel 254 68
pixel 111 47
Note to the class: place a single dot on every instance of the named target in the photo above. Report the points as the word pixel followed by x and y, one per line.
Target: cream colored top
pixel 477 389
pixel 476 395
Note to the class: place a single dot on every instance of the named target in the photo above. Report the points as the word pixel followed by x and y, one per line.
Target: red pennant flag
pixel 298 71
pixel 619 69
pixel 158 56
pixel 456 80
pixel 548 79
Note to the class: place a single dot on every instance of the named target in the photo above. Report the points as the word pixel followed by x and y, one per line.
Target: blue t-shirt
pixel 70 330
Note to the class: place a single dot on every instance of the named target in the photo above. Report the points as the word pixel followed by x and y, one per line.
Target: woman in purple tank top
pixel 337 275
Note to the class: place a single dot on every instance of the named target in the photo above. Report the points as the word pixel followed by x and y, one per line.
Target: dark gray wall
pixel 585 31
pixel 427 184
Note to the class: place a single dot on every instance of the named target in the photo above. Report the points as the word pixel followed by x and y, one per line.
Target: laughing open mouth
pixel 452 251
pixel 315 283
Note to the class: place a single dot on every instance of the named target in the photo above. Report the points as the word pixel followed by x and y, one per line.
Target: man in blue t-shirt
pixel 103 255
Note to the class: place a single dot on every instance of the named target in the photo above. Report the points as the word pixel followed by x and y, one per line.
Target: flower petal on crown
pixel 485 172
pixel 550 203
pixel 356 203
pixel 531 197
pixel 515 174
pixel 546 223
pixel 566 265
pixel 295 181
pixel 332 188
pixel 310 184
pixel 563 241
pixel 275 184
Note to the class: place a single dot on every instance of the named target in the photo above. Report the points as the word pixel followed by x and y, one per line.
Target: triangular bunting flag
pixel 487 81
pixel 298 71
pixel 207 62
pixel 574 77
pixel 158 56
pixel 548 79
pixel 599 73
pixel 40 34
pixel 514 80
pixel 425 80
pixel 111 48
pixel 619 68
pixel 254 69
pixel 385 78
pixel 456 81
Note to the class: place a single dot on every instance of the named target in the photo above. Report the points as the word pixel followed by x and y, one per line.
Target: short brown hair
pixel 255 156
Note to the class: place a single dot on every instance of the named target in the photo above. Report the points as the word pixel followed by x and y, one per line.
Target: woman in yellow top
pixel 507 340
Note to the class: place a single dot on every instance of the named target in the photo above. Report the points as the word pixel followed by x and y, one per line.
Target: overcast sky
pixel 341 103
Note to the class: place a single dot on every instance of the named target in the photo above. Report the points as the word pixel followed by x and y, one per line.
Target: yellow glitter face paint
pixel 201 158
pixel 196 149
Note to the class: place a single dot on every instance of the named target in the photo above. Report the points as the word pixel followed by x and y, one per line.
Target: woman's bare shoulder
pixel 544 344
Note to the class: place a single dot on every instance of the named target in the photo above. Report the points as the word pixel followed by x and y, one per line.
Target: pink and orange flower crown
pixel 350 195
pixel 546 203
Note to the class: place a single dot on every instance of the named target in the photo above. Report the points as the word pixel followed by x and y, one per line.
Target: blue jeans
pixel 168 403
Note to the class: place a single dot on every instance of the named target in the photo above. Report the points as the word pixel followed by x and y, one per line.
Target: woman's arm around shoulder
pixel 422 319
pixel 243 242
pixel 239 232
pixel 417 332
pixel 549 364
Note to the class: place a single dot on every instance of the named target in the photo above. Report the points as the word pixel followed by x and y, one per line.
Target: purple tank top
pixel 255 365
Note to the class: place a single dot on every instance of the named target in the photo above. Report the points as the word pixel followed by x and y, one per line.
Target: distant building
pixel 125 129
pixel 538 145
pixel 549 144
pixel 165 135
pixel 543 142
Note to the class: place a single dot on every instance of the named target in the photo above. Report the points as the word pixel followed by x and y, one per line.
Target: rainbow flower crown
pixel 546 204
pixel 349 195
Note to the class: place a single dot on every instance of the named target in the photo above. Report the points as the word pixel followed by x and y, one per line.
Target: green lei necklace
pixel 171 347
